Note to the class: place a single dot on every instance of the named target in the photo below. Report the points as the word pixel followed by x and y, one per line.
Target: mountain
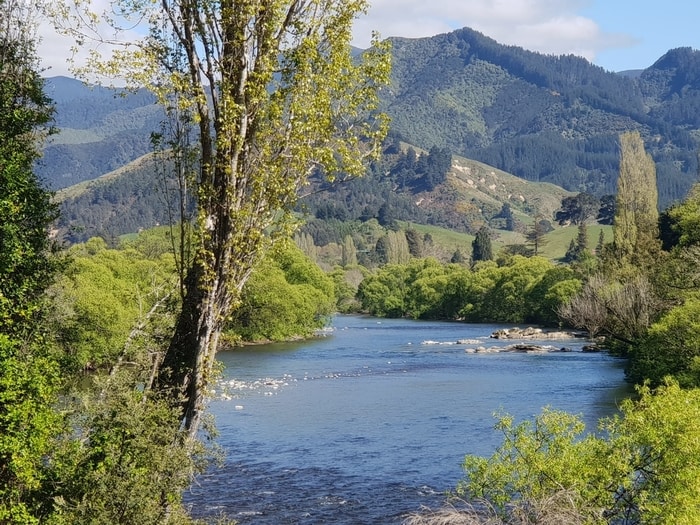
pixel 543 118
pixel 136 196
pixel 99 130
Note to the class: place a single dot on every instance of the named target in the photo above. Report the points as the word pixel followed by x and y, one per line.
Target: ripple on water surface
pixel 368 424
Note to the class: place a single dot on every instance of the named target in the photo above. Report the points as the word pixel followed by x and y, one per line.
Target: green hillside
pixel 471 195
pixel 545 118
pixel 542 118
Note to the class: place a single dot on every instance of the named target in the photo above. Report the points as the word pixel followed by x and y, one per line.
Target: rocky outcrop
pixel 533 333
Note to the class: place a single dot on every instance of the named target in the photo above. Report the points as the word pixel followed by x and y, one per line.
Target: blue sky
pixel 615 34
pixel 654 26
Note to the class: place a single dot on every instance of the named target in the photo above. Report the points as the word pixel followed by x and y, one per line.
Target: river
pixel 368 423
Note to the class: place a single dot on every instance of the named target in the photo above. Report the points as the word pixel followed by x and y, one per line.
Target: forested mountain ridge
pixel 100 130
pixel 542 118
pixel 545 118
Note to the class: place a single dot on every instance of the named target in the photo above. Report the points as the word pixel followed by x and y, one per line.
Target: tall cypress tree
pixel 481 246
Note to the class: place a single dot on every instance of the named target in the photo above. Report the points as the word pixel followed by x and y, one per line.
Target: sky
pixel 617 35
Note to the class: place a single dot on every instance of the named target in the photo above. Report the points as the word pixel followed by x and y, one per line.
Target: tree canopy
pixel 273 92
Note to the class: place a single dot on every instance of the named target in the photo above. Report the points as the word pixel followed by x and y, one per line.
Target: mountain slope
pixel 134 197
pixel 472 194
pixel 541 117
pixel 100 130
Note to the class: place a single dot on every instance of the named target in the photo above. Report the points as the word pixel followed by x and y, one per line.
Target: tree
pixel 671 348
pixel 606 212
pixel 384 294
pixel 457 257
pixel 622 311
pixel 601 243
pixel 306 244
pixel 385 214
pixel 349 257
pixel 578 248
pixel 549 471
pixel 507 214
pixel 392 248
pixel 415 242
pixel 554 289
pixel 635 232
pixel 287 296
pixel 578 209
pixel 481 246
pixel 275 94
pixel 535 236
pixel 570 254
pixel 685 219
pixel 507 299
pixel 29 372
pixel 26 265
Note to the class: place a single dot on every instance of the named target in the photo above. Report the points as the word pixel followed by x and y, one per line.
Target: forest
pixel 545 118
pixel 108 347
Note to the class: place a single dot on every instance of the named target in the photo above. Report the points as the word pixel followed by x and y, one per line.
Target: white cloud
pixel 57 50
pixel 547 26
pixel 54 51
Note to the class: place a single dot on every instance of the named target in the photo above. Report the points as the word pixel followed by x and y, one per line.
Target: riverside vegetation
pixel 93 430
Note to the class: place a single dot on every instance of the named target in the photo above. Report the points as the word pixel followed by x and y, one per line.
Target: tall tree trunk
pixel 192 345
pixel 277 95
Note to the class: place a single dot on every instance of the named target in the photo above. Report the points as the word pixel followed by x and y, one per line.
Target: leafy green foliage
pixel 685 220
pixel 539 460
pixel 29 382
pixel 103 294
pixel 671 348
pixel 520 290
pixel 131 468
pixel 657 436
pixel 643 470
pixel 26 265
pixel 287 296
pixel 29 374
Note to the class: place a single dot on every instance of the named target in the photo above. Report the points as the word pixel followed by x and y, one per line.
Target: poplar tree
pixel 275 94
pixel 635 228
pixel 398 252
pixel 349 257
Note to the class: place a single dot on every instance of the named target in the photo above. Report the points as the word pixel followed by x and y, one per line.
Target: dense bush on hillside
pixel 544 117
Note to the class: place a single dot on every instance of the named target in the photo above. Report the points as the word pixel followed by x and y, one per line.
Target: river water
pixel 369 423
